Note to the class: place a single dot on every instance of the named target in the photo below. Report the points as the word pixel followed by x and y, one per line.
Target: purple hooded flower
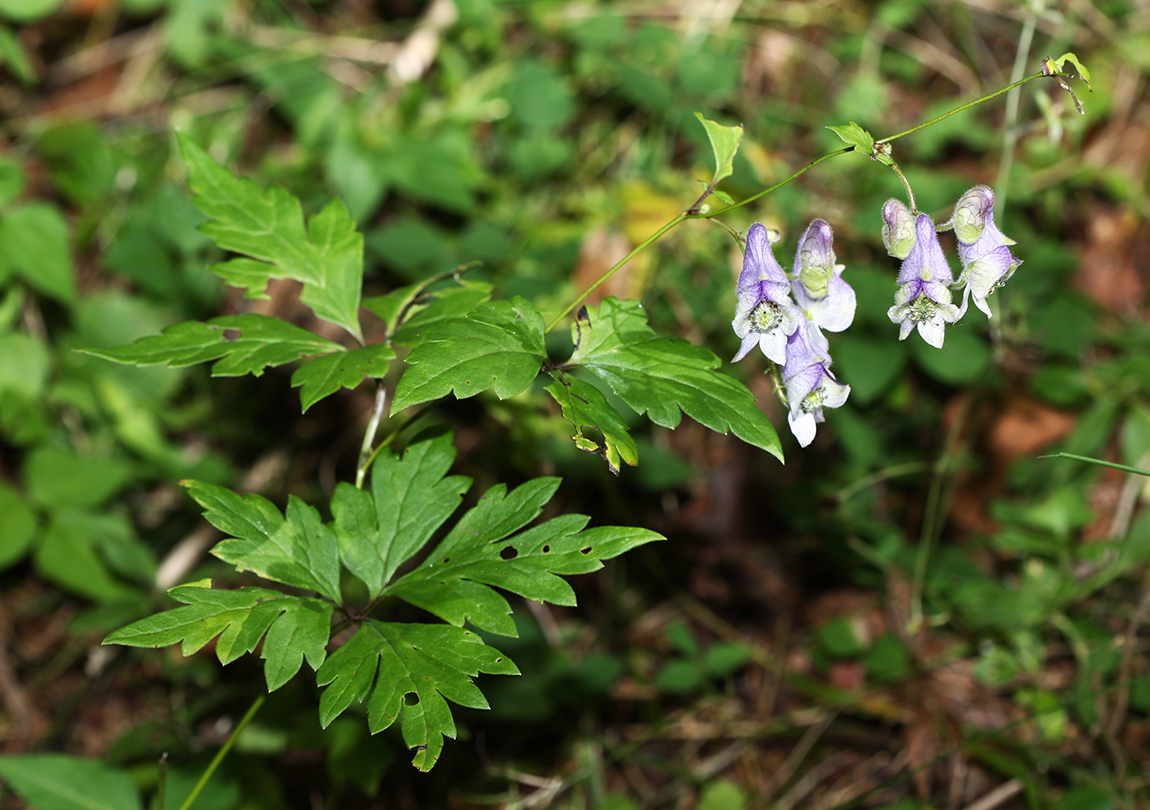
pixel 827 301
pixel 983 249
pixel 765 316
pixel 923 299
pixel 809 384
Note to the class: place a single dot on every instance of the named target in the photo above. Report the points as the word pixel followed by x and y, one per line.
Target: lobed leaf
pixel 410 498
pixel 856 136
pixel 296 627
pixel 409 310
pixel 665 376
pixel 482 550
pixel 326 256
pixel 496 345
pixel 430 663
pixel 295 549
pixel 262 341
pixel 585 406
pixel 724 144
pixel 325 375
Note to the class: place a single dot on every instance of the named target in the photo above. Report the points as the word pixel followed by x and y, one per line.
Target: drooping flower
pixel 982 248
pixel 765 316
pixel 923 298
pixel 810 385
pixel 827 301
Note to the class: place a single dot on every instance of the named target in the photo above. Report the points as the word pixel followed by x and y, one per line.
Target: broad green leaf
pixel 14 56
pixel 724 143
pixel 662 376
pixel 325 375
pixel 295 549
pixel 56 477
pixel 428 662
pixel 35 243
pixel 17 526
pixel 483 548
pixel 410 498
pixel 59 782
pixel 297 627
pixel 326 256
pixel 67 556
pixel 584 406
pixel 260 341
pixel 497 345
pixel 25 365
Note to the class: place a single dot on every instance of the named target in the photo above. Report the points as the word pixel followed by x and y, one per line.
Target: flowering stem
pixel 694 213
pixel 639 248
pixel 906 184
pixel 959 109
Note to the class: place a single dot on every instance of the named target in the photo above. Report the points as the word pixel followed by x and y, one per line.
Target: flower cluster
pixel 786 317
pixel 923 299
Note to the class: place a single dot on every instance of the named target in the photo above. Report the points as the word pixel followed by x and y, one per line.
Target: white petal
pixel 803 426
pixel 836 310
pixel 774 345
pixel 933 332
pixel 835 393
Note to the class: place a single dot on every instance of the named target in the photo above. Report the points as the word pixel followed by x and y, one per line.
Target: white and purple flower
pixel 766 315
pixel 923 299
pixel 810 385
pixel 983 249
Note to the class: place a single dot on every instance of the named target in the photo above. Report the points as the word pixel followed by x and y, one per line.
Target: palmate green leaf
pixel 483 549
pixel 410 498
pixel 325 375
pixel 497 345
pixel 295 549
pixel 297 627
pixel 394 661
pixel 261 341
pixel 584 406
pixel 662 376
pixel 409 310
pixel 326 256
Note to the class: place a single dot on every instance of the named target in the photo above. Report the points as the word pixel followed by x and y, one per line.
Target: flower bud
pixel 898 229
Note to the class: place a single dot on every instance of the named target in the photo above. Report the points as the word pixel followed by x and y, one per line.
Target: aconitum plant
pixel 398 531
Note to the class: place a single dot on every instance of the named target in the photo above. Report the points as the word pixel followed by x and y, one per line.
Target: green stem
pixel 223 752
pixel 366 456
pixel 906 184
pixel 777 185
pixel 966 106
pixel 603 278
pixel 1099 462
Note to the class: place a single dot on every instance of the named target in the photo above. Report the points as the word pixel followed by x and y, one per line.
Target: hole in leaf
pixel 547 549
pixel 411 699
pixel 585 550
pixel 509 553
pixel 446 560
pixel 232 334
pixel 499 660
